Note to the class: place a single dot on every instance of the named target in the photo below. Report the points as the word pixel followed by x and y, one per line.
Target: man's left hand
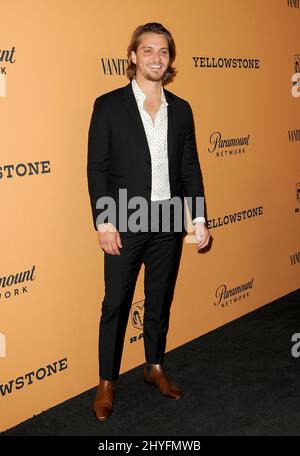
pixel 202 235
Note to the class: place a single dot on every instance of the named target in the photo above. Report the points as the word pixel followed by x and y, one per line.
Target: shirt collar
pixel 140 96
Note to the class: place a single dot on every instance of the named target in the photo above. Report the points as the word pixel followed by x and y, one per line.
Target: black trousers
pixel 160 252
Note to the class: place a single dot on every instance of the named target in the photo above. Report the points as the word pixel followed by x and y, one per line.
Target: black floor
pixel 240 379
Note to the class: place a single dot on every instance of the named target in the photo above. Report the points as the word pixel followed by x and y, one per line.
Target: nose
pixel 156 57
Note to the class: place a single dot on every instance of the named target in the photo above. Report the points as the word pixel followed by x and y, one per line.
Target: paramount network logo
pixel 225 147
pixel 15 281
pixel 227 296
pixel 6 55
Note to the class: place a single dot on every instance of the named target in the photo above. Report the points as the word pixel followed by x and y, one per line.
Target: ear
pixel 133 57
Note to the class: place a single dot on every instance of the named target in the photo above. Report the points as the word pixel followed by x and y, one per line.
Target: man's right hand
pixel 109 238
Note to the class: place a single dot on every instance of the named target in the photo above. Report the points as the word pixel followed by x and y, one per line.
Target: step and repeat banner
pixel 238 66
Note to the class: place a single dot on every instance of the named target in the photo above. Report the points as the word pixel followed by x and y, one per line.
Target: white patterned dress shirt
pixel 157 137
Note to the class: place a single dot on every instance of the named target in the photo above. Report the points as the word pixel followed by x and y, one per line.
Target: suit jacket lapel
pixel 171 126
pixel 133 110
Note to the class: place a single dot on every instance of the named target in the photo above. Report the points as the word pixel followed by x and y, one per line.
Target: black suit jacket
pixel 119 155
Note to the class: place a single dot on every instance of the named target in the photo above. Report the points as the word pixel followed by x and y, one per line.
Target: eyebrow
pixel 143 47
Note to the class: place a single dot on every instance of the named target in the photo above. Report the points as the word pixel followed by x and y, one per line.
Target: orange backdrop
pixel 56 57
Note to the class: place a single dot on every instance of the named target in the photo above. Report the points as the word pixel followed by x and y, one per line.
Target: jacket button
pixel 148 187
pixel 149 162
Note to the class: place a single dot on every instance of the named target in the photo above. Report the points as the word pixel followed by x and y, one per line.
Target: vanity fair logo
pixel 31 377
pixel 10 284
pixel 137 319
pixel 114 66
pixel 235 217
pixel 225 297
pixel 6 57
pixel 294 135
pixel 295 258
pixel 225 62
pixel 24 169
pixel 293 3
pixel 297 208
pixel 225 147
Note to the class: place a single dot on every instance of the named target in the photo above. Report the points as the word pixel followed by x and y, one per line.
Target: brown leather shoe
pixel 154 375
pixel 103 402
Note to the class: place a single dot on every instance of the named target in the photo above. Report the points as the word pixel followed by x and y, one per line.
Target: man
pixel 141 139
